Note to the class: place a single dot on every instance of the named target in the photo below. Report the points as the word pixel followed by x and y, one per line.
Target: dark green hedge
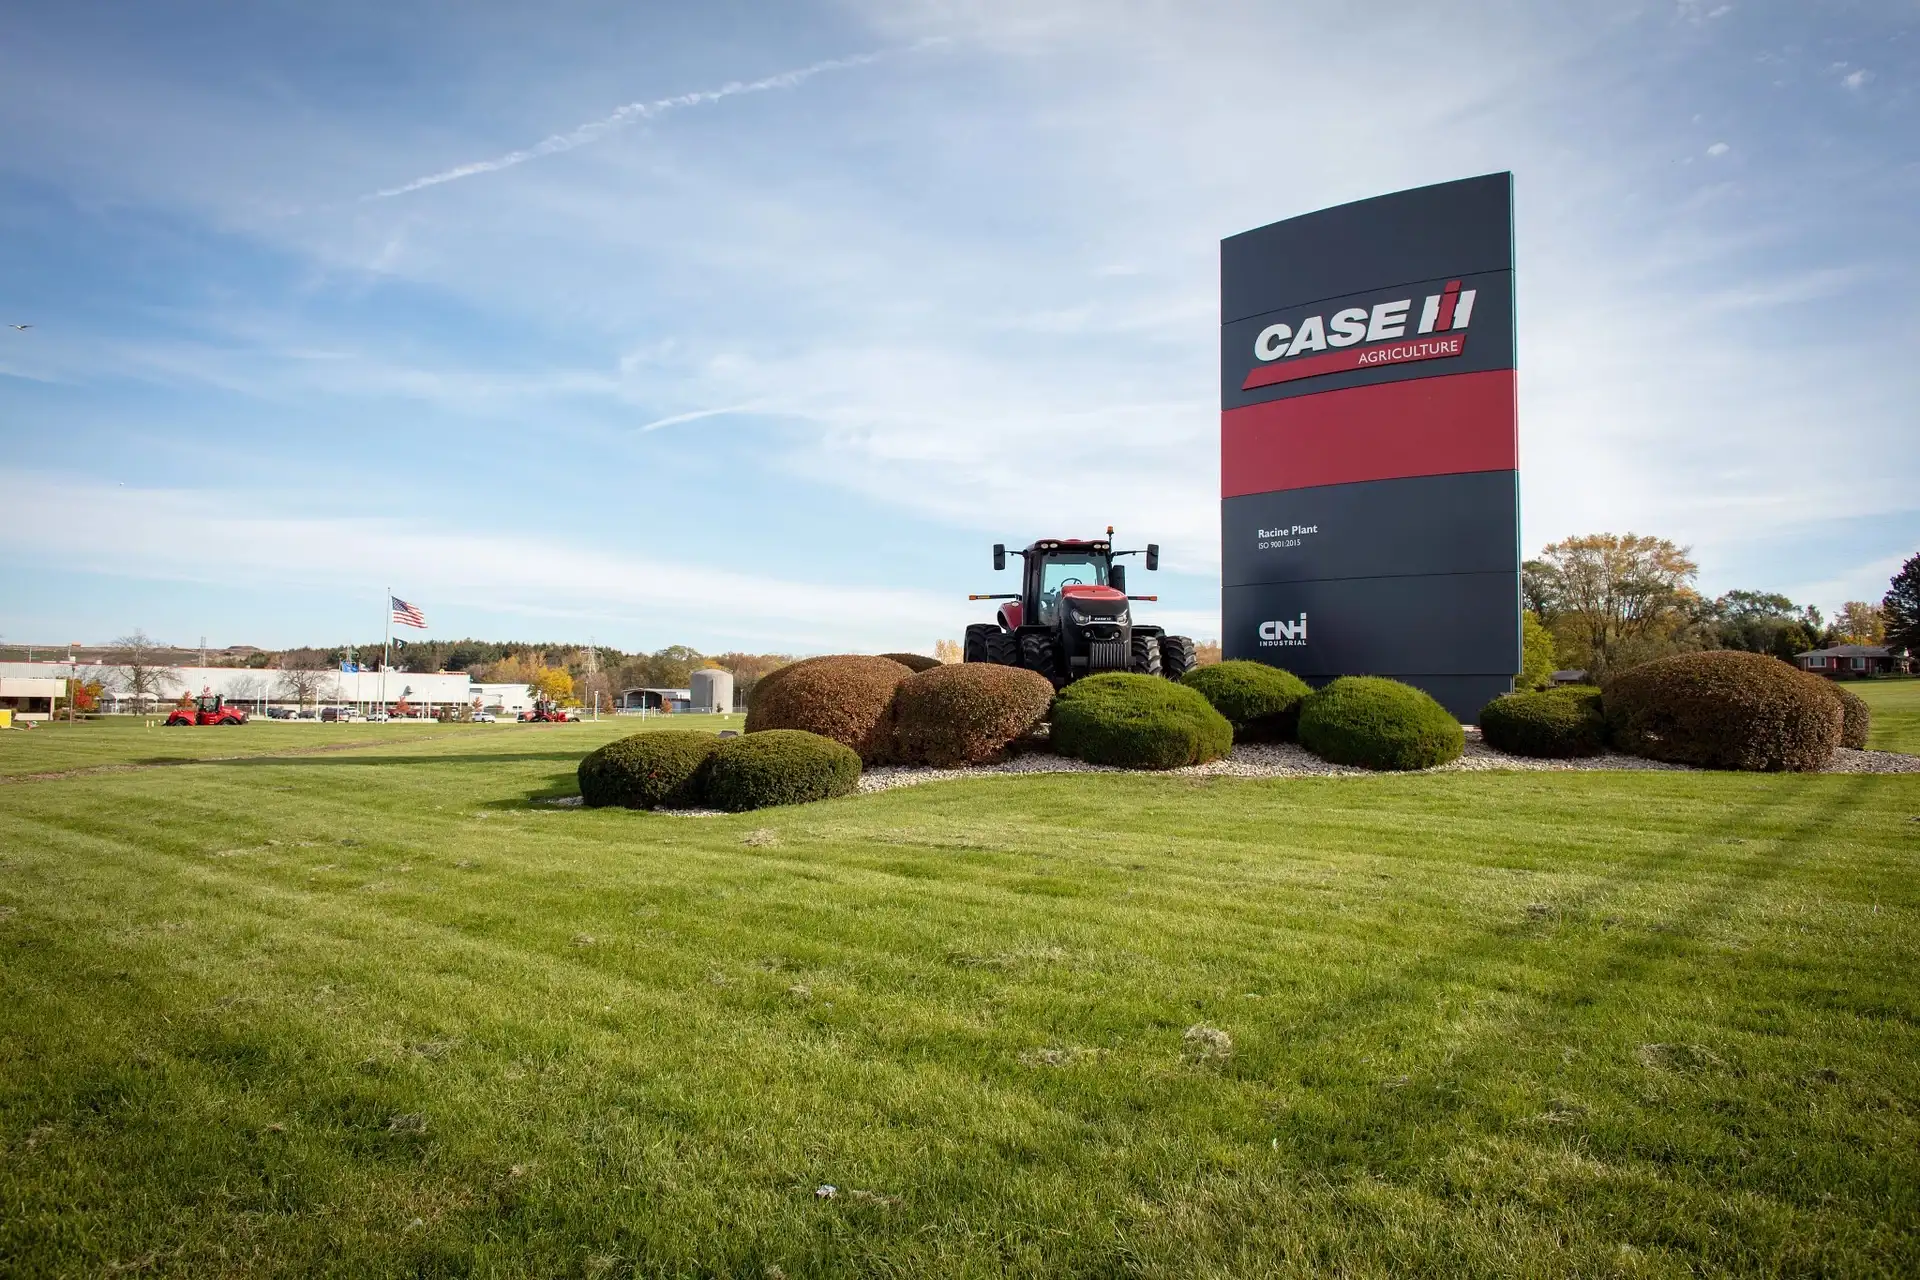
pixel 1262 703
pixel 1553 723
pixel 1379 724
pixel 779 766
pixel 664 769
pixel 1138 722
pixel 1724 709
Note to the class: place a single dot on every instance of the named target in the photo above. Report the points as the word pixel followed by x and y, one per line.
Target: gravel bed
pixel 1847 760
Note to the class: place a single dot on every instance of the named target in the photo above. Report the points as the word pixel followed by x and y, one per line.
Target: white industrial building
pixel 259 688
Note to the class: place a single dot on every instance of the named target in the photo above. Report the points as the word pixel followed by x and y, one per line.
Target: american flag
pixel 406 615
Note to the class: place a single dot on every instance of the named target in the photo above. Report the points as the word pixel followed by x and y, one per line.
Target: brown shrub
pixel 1724 710
pixel 915 662
pixel 1856 718
pixel 966 713
pixel 847 697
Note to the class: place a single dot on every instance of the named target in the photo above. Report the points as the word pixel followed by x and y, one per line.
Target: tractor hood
pixel 1095 602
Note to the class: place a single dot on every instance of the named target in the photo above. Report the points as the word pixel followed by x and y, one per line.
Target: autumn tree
pixel 1206 653
pixel 1617 599
pixel 947 651
pixel 1901 606
pixel 138 671
pixel 553 684
pixel 1859 622
pixel 1539 656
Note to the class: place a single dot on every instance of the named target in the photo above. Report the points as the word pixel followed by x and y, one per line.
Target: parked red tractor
pixel 545 712
pixel 208 708
pixel 1071 616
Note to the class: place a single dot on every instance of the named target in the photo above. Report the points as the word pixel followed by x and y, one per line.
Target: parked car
pixel 485 717
pixel 378 717
pixel 340 714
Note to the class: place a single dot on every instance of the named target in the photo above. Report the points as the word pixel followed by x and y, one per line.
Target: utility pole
pixel 591 672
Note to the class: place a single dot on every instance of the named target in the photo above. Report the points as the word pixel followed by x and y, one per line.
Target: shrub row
pixel 1262 703
pixel 946 715
pixel 684 769
pixel 1138 722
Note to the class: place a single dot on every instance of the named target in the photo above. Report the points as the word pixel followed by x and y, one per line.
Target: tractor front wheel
pixel 1003 647
pixel 1146 656
pixel 974 647
pixel 1039 653
pixel 1177 656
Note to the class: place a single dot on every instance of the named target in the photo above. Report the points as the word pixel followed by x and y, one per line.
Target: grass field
pixel 370 1011
pixel 1896 713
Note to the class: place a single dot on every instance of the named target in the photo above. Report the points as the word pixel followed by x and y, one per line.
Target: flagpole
pixel 386 653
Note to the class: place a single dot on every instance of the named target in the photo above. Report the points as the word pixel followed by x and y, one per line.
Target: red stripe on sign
pixel 1421 427
pixel 1380 353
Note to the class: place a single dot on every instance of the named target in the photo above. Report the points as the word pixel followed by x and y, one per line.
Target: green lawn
pixel 1896 713
pixel 372 1012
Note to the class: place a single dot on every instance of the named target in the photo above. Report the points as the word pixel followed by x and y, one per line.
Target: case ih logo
pixel 1323 344
pixel 1275 635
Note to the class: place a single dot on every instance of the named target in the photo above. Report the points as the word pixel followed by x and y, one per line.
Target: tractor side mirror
pixel 1153 556
pixel 1117 578
pixel 999 555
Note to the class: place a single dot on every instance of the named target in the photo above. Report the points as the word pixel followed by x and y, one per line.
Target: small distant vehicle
pixel 485 717
pixel 279 713
pixel 545 712
pixel 378 717
pixel 340 715
pixel 209 708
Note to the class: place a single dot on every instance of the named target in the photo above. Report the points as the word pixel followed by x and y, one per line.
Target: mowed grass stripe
pixel 1401 1096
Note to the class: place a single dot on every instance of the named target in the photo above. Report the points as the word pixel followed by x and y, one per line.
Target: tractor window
pixel 1067 571
pixel 209 704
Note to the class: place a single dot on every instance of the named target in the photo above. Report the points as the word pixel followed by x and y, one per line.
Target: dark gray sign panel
pixel 1369 447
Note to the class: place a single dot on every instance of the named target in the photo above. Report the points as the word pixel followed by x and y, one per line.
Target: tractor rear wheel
pixel 1003 647
pixel 1039 653
pixel 974 647
pixel 1146 656
pixel 1177 656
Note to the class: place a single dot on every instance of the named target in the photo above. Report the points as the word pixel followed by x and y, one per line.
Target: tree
pixel 1901 606
pixel 137 671
pixel 300 685
pixel 1621 598
pixel 1206 653
pixel 1539 657
pixel 553 684
pixel 947 651
pixel 1751 620
pixel 1861 623
pixel 1540 590
pixel 247 689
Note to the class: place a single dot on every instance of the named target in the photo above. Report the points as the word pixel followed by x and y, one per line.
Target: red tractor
pixel 1071 616
pixel 545 712
pixel 209 708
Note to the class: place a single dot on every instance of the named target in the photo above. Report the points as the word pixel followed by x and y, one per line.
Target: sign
pixel 1370 512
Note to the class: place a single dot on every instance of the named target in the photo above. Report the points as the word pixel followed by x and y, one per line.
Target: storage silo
pixel 712 690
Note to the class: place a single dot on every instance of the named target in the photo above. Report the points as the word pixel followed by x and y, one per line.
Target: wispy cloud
pixel 634 112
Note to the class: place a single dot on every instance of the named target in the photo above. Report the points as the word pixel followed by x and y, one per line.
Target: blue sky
pixel 753 325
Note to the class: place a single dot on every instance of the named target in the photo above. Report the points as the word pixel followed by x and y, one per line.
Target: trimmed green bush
pixel 1856 719
pixel 1724 709
pixel 915 662
pixel 1379 724
pixel 1553 723
pixel 778 766
pixel 1138 722
pixel 662 770
pixel 966 713
pixel 1262 703
pixel 847 697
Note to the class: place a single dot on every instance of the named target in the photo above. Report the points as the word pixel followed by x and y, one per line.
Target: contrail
pixel 633 111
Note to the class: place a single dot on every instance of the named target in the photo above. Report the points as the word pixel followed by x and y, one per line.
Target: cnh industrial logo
pixel 1334 344
pixel 1277 635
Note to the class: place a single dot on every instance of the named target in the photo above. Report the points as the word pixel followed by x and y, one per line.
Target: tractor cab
pixel 1072 615
pixel 210 704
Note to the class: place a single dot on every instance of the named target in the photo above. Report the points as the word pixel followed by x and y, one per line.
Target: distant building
pixel 260 688
pixel 1843 660
pixel 31 697
pixel 654 700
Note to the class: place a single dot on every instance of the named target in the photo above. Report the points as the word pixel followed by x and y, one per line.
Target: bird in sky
pixel 22 327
